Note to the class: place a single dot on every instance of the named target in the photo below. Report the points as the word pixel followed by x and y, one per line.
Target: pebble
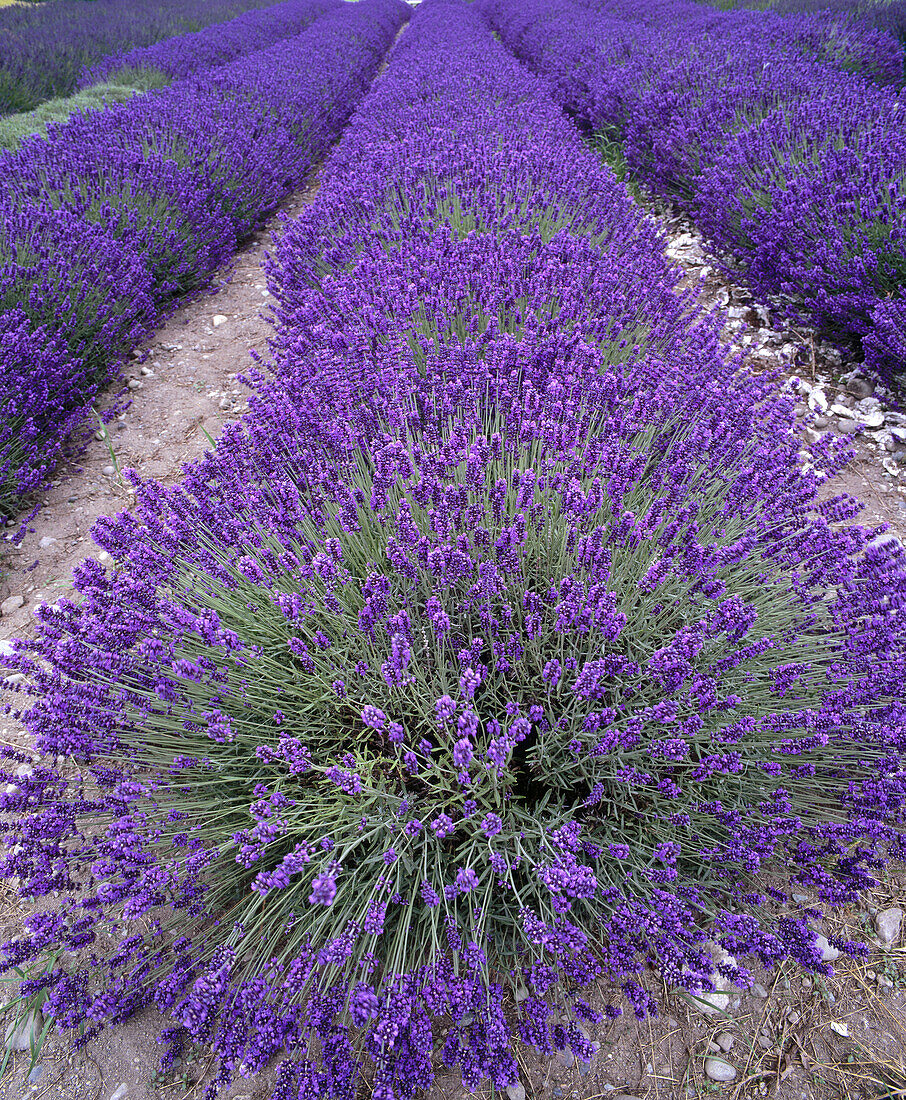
pixel 147 372
pixel 566 1058
pixel 887 925
pixel 828 953
pixel 46 541
pixel 765 1042
pixel 859 387
pixel 36 1074
pixel 120 1091
pixel 848 427
pixel 25 1035
pixel 801 898
pixel 725 1041
pixel 134 384
pixel 839 1028
pixel 108 471
pixel 11 604
pixel 718 1070
pixel 759 990
pixel 516 1092
pixel 218 319
pixel 794 1018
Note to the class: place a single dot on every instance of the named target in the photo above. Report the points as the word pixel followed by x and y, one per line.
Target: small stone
pixel 108 471
pixel 840 1028
pixel 713 1048
pixel 25 1035
pixel 765 1042
pixel 871 975
pixel 807 983
pixel 828 953
pixel 794 1018
pixel 134 384
pixel 147 372
pixel 46 542
pixel 100 435
pixel 821 422
pixel 725 1041
pixel 516 1092
pixel 36 1074
pixel 219 319
pixel 801 898
pixel 848 427
pixel 887 925
pixel 566 1058
pixel 859 387
pixel 758 990
pixel 11 604
pixel 104 557
pixel 120 1091
pixel 719 1070
pixel 225 403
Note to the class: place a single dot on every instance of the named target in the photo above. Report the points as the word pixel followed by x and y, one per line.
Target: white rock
pixel 828 953
pixel 24 1036
pixel 887 925
pixel 219 319
pixel 7 649
pixel 134 384
pixel 11 604
pixel 714 1003
pixel 817 401
pixel 108 471
pixel 120 1092
pixel 840 1028
pixel 516 1092
pixel 719 1070
pixel 46 541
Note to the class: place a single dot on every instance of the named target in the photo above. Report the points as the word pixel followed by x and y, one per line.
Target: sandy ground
pixel 793 1042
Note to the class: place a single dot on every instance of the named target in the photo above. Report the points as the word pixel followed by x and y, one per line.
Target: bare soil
pixel 784 1044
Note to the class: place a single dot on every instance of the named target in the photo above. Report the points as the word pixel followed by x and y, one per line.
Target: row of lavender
pixel 43 49
pixel 120 210
pixel 792 167
pixel 494 652
pixel 186 54
pixel 885 15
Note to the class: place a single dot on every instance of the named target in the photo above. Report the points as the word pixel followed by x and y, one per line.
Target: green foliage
pixel 14 129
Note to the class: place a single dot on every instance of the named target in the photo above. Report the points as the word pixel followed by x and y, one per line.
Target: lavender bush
pixel 792 167
pixel 185 54
pixel 43 50
pixel 500 648
pixel 170 180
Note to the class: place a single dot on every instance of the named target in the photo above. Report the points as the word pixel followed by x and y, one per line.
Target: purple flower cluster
pixel 43 48
pixel 185 54
pixel 768 129
pixel 118 210
pixel 491 652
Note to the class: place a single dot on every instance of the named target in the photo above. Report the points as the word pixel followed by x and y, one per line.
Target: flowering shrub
pixel 790 162
pixel 44 49
pixel 185 54
pixel 495 652
pixel 118 210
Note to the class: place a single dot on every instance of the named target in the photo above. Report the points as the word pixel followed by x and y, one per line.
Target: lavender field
pixel 519 661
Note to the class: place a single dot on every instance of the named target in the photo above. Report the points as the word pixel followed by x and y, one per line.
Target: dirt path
pixel 184 389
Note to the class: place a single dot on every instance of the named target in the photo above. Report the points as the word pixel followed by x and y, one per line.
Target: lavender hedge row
pixel 792 168
pixel 43 50
pixel 500 648
pixel 185 54
pixel 117 211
